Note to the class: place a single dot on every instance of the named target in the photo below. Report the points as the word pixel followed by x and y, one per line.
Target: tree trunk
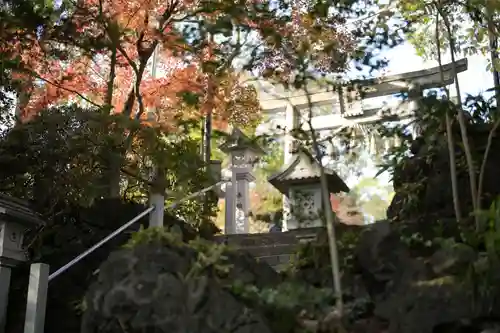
pixel 449 136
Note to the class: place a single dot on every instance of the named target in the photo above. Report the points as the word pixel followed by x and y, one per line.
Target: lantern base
pixel 9 262
pixel 5 273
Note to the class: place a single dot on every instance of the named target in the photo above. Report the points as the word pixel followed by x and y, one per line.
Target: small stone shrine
pixel 299 181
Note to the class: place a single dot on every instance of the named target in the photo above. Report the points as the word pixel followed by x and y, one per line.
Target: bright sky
pixel 473 81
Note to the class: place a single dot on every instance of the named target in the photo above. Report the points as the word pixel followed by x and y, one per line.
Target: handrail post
pixel 157 199
pixel 34 321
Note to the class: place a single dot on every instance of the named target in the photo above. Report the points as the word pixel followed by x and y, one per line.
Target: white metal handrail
pixel 125 226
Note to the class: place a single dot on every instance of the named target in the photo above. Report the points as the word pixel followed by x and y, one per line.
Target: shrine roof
pixel 19 210
pixel 238 140
pixel 303 171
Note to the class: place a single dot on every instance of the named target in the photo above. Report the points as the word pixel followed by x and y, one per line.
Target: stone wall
pixel 273 248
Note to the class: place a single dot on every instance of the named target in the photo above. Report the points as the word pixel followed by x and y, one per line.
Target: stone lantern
pixel 300 182
pixel 15 219
pixel 244 154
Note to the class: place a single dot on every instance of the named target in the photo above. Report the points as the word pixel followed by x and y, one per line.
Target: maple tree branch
pixel 233 55
pixel 193 14
pixel 105 160
pixel 133 15
pixel 64 88
pixel 449 131
pixel 129 60
pixel 101 10
pixel 138 95
pixel 144 56
pixel 111 81
pixel 168 14
pixel 136 176
pixel 96 72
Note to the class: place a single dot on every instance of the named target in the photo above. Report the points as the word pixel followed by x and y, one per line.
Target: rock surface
pixel 154 287
pixel 420 294
pixel 76 230
pixel 422 182
pixel 393 286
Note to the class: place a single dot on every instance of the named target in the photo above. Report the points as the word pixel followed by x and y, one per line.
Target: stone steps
pixel 275 249
pixel 277 261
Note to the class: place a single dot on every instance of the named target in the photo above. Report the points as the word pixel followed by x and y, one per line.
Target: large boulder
pixel 396 280
pixel 419 294
pixel 162 285
pixel 66 236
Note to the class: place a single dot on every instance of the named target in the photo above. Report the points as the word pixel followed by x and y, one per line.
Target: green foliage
pixel 64 154
pixel 346 246
pixel 490 233
pixel 283 305
pixel 372 197
pixel 208 256
pixel 315 256
pixel 482 274
pixel 429 121
pixel 415 240
pixel 289 296
pixel 158 235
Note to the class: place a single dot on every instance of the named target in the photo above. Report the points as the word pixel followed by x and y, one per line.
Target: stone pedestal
pixel 34 321
pixel 243 179
pixel 229 196
pixel 4 295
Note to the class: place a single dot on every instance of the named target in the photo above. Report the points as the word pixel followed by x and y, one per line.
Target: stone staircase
pixel 275 249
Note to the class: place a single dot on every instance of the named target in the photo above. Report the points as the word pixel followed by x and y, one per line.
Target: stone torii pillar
pixel 292 122
pixel 244 154
pixel 415 94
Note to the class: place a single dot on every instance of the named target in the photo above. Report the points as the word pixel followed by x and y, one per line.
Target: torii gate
pixel 275 99
pixel 345 110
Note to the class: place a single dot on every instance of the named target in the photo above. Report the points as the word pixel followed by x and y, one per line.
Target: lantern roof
pixel 303 170
pixel 19 211
pixel 237 140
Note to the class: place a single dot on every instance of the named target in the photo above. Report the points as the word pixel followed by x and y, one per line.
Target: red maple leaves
pixel 102 53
